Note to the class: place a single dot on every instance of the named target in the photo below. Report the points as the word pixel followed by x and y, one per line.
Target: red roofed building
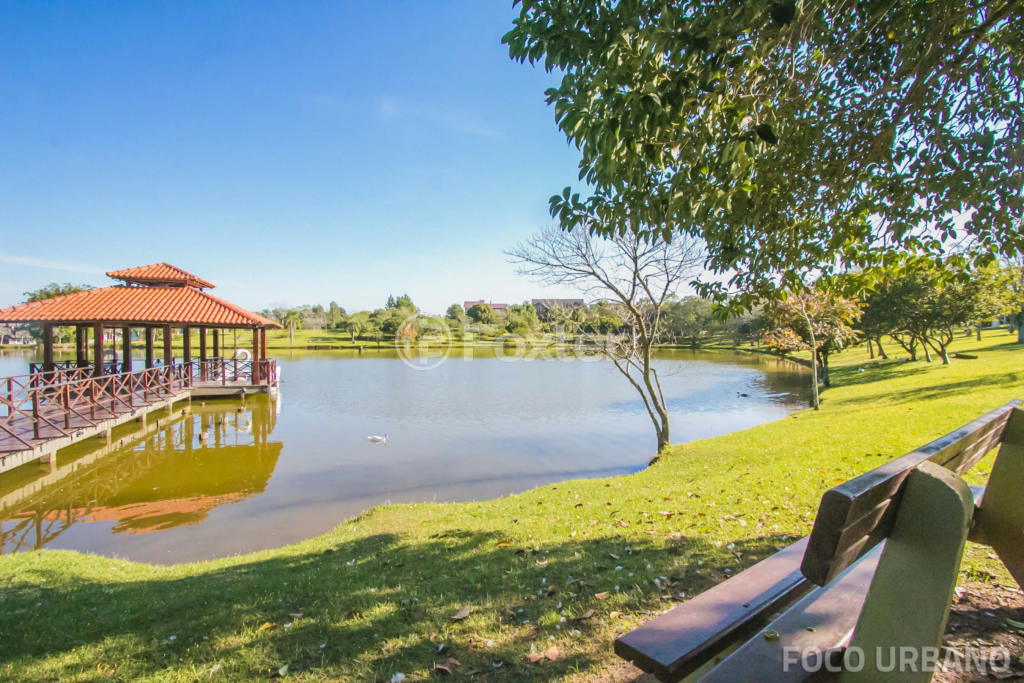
pixel 500 309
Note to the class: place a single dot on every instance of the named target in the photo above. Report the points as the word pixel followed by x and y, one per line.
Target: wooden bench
pixel 878 570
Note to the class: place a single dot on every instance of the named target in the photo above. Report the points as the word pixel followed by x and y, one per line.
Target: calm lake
pixel 294 465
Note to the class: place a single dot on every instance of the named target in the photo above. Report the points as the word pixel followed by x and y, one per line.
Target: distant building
pixel 500 309
pixel 15 335
pixel 543 306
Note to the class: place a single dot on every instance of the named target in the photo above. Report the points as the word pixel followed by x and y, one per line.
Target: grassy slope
pixel 383 599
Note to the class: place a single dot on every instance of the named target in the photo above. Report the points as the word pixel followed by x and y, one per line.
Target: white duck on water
pixel 378 439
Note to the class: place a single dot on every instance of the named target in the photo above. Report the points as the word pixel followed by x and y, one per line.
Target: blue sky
pixel 289 152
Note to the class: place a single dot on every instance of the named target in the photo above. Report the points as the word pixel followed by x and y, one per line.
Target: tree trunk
pixel 978 328
pixel 871 349
pixel 655 397
pixel 940 350
pixel 881 351
pixel 291 334
pixel 815 403
pixel 824 370
pixel 927 353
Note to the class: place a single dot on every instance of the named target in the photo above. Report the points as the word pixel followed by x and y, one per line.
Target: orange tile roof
pixel 160 272
pixel 140 305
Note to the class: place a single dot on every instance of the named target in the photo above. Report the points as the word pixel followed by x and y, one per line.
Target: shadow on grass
pixel 941 389
pixel 369 608
pixel 876 371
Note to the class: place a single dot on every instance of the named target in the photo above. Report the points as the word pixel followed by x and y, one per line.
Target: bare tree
pixel 635 277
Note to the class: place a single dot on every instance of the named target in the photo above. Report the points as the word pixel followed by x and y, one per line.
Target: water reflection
pixel 171 473
pixel 287 469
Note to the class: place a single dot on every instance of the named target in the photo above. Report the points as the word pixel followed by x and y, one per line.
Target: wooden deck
pixel 42 413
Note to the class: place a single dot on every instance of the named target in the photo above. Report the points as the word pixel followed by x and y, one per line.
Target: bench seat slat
pixel 680 641
pixel 831 612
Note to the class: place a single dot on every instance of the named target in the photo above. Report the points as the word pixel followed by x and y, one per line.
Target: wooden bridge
pixel 42 412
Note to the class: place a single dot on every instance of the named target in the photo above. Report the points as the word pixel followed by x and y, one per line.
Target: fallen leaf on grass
pixel 614 556
pixel 615 615
pixel 266 627
pixel 461 614
pixel 283 671
pixel 620 523
pixel 447 667
pixel 601 596
pixel 586 615
pixel 552 590
pixel 504 544
pixel 551 654
pixel 542 563
pixel 296 615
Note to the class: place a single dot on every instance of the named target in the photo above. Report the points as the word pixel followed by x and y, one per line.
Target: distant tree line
pixel 373 325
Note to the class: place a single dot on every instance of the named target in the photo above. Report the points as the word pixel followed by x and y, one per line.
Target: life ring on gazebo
pixel 242 354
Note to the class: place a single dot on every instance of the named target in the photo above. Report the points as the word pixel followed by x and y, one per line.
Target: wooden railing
pixel 33 368
pixel 230 370
pixel 54 404
pixel 110 367
pixel 46 405
pixel 224 370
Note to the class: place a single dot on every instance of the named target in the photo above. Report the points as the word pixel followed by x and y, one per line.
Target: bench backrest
pixel 857 515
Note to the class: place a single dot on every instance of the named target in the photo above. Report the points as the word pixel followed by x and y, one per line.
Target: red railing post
pixel 35 409
pixel 66 390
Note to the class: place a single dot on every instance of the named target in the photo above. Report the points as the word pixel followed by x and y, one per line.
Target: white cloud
pixel 456 119
pixel 47 264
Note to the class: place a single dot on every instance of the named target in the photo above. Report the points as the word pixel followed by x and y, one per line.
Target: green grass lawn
pixel 378 594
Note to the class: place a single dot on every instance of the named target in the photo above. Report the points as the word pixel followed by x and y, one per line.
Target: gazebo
pixel 158 296
pixel 58 404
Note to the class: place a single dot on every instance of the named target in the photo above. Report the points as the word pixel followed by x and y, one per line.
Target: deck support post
pixel 168 358
pixel 255 355
pixel 186 349
pixel 264 374
pixel 97 350
pixel 48 347
pixel 202 353
pixel 149 346
pixel 126 348
pixel 81 346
